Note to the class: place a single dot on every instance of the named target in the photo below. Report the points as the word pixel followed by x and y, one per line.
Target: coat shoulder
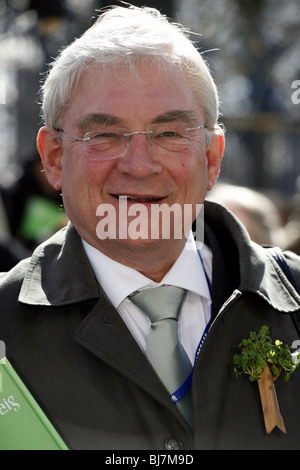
pixel 11 281
pixel 12 319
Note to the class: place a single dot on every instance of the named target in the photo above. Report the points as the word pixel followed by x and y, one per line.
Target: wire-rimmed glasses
pixel 108 143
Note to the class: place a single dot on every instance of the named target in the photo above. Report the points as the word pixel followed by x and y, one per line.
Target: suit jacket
pixel 80 361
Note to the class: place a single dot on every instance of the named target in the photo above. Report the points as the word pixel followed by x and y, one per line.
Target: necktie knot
pixel 160 303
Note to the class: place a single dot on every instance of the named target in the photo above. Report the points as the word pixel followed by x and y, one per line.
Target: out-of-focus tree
pixel 257 61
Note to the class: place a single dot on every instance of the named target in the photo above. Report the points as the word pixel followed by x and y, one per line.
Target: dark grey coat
pixel 79 360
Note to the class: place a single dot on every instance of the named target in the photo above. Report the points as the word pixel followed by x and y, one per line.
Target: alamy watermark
pixel 2 92
pixel 296 94
pixel 296 354
pixel 154 221
pixel 2 350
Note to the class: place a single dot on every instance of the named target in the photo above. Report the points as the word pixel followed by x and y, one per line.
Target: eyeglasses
pixel 108 143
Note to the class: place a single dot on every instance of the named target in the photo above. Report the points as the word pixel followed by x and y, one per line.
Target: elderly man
pixel 131 131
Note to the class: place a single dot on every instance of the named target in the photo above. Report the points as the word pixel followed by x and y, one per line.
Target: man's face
pixel 146 173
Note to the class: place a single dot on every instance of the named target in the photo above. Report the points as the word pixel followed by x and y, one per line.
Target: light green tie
pixel 164 351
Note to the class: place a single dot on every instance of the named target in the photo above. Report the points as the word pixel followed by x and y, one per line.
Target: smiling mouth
pixel 141 199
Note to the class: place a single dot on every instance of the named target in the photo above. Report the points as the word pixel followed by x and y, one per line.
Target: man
pixel 131 124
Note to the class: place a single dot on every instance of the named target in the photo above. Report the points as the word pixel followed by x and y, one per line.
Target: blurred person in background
pixel 292 226
pixel 255 210
pixel 33 208
pixel 261 216
pixel 11 250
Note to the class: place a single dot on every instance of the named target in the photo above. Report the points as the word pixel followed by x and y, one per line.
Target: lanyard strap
pixel 185 387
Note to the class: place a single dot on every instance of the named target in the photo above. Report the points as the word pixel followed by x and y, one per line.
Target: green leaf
pixel 258 350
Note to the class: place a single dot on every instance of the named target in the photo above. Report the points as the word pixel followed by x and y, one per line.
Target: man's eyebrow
pixel 102 119
pixel 176 115
pixel 106 119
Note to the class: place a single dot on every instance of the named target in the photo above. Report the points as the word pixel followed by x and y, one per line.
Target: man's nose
pixel 141 158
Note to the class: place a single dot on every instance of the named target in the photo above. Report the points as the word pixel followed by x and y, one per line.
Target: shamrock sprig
pixel 259 351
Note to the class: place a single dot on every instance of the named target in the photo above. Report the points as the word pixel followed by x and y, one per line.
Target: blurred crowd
pixel 31 33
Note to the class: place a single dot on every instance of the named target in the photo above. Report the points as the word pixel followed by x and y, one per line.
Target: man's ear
pixel 50 150
pixel 214 156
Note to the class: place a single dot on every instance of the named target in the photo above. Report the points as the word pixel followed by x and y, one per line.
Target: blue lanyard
pixel 185 387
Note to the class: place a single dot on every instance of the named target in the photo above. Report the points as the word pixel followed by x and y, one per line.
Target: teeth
pixel 124 197
pixel 130 197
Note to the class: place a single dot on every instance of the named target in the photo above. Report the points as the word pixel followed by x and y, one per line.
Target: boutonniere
pixel 263 361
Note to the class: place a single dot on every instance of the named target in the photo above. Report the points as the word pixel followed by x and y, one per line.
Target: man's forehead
pixel 117 100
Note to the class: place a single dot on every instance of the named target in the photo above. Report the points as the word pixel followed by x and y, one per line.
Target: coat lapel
pixel 105 335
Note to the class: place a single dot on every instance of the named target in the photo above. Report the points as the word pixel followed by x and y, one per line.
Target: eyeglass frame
pixel 126 134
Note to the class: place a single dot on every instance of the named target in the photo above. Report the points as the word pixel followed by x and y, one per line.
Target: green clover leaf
pixel 257 351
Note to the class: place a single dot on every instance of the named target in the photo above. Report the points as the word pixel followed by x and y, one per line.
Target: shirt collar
pixel 187 272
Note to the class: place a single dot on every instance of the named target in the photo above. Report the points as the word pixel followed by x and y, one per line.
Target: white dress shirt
pixel 119 281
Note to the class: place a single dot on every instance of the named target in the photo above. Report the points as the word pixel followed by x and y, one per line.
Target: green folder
pixel 23 424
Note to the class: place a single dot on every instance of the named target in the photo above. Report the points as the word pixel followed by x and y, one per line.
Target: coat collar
pixel 59 273
pixel 62 257
pixel 259 272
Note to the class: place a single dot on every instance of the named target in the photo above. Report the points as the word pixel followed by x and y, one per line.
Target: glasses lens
pixel 173 136
pixel 105 144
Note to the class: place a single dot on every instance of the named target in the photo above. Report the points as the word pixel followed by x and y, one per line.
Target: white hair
pixel 127 36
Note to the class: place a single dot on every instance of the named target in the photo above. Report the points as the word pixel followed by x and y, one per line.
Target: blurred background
pixel 253 50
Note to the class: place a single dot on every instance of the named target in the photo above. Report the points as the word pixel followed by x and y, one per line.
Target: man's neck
pixel 152 260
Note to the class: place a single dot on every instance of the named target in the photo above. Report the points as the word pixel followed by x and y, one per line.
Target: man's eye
pixel 169 134
pixel 105 135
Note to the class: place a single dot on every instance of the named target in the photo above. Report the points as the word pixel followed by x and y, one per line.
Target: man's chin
pixel 117 248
